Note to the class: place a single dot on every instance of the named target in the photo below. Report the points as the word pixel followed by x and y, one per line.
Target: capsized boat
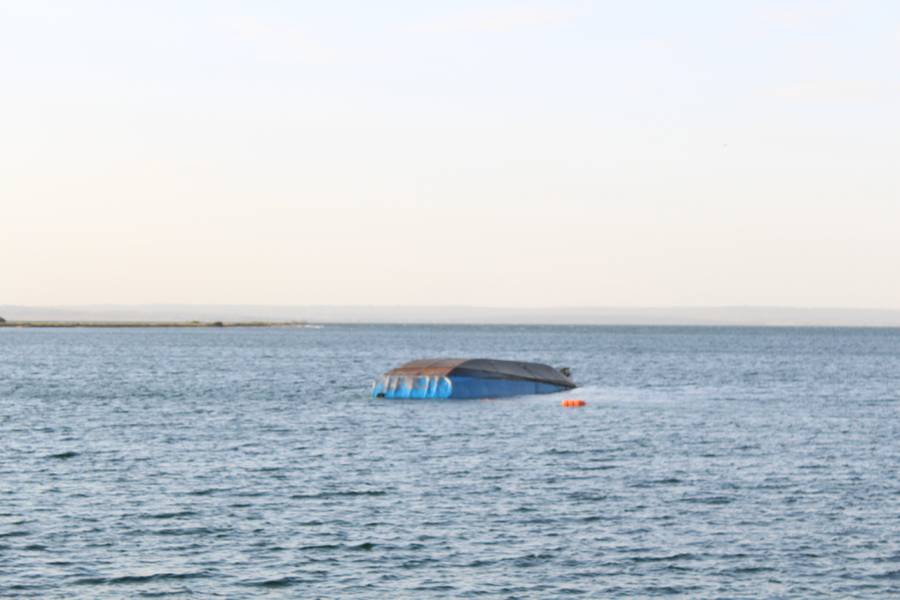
pixel 470 378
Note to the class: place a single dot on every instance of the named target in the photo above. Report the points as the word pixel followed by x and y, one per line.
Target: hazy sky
pixel 479 153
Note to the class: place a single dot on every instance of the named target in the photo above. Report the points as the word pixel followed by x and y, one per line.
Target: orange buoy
pixel 571 403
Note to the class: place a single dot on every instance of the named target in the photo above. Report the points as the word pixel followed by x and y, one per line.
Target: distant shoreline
pixel 149 324
pixel 183 315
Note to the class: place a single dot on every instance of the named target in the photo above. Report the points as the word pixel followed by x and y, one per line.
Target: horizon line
pixel 455 306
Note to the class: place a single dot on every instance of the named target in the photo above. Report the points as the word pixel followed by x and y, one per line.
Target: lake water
pixel 709 462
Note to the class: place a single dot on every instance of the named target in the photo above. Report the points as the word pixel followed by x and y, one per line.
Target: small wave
pixel 588 497
pixel 891 559
pixel 35 547
pixel 709 500
pixel 672 557
pixel 435 587
pixel 418 563
pixel 63 455
pixel 365 547
pixel 656 482
pixel 281 582
pixel 139 579
pixel 26 587
pixel 732 556
pixel 12 534
pixel 321 547
pixel 313 523
pixel 346 494
pixel 596 518
pixel 479 562
pixel 168 515
pixel 892 575
pixel 206 491
pixel 530 560
pixel 668 590
pixel 187 531
pixel 666 481
pixel 747 570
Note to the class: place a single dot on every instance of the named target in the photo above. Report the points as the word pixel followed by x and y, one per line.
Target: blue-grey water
pixel 709 462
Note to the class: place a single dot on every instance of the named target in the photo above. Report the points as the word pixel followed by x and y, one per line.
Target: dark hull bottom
pixel 459 387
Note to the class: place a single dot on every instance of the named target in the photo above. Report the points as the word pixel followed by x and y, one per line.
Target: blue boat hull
pixel 461 387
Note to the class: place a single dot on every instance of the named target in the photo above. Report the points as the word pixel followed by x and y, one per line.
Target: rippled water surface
pixel 709 462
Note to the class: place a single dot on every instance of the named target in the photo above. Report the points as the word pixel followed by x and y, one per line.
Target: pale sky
pixel 489 153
